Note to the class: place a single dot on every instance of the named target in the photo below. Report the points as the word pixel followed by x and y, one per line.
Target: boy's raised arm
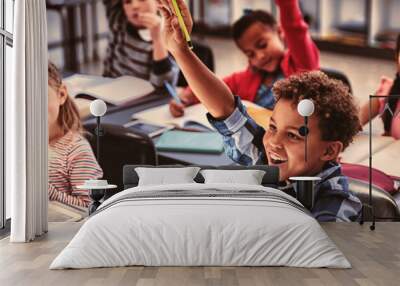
pixel 209 89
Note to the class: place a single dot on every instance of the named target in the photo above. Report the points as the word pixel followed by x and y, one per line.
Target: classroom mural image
pixel 226 83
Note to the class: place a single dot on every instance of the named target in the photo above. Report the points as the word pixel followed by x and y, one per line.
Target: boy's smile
pixel 263 47
pixel 284 146
pixel 276 159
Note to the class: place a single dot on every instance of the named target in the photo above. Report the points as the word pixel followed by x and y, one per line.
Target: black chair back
pixel 205 54
pixel 336 74
pixel 119 147
pixel 385 206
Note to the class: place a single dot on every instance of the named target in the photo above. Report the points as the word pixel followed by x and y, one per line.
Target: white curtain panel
pixel 26 123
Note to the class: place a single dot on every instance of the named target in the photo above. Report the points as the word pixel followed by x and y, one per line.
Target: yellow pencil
pixel 182 24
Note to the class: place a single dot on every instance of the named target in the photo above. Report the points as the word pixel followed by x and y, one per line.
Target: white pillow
pixel 247 177
pixel 164 176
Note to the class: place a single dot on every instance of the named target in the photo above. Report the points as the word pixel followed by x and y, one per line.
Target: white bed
pixel 201 225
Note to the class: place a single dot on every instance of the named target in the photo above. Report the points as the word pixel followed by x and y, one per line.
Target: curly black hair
pixel 254 16
pixel 334 104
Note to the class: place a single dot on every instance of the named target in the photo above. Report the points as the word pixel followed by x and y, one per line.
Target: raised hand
pixel 152 22
pixel 171 32
pixel 385 85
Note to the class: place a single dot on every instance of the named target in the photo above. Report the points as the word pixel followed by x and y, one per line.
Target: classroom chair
pixel 120 146
pixel 336 74
pixel 385 207
pixel 205 54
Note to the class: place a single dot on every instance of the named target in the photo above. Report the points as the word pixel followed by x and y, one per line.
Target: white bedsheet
pixel 191 231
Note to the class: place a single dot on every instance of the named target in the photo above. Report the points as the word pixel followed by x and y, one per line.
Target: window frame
pixel 6 39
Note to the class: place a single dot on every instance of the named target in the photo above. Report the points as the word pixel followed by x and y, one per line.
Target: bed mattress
pixel 201 225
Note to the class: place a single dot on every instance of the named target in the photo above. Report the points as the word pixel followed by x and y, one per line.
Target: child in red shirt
pixel 262 40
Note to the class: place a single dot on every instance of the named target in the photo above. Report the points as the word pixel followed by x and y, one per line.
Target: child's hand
pixel 171 32
pixel 152 22
pixel 385 85
pixel 177 109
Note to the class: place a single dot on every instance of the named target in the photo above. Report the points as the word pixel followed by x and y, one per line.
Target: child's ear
pixel 332 151
pixel 63 94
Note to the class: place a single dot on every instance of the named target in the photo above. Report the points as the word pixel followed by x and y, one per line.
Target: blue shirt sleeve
pixel 241 135
pixel 333 200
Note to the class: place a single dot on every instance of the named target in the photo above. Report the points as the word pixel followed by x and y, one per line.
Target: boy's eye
pixel 250 55
pixel 262 45
pixel 293 136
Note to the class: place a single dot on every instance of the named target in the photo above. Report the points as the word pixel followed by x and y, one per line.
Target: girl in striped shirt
pixel 135 44
pixel 71 160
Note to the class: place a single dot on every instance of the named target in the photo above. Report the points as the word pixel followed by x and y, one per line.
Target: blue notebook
pixel 193 142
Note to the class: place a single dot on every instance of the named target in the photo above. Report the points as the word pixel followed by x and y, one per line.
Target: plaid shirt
pixel 243 144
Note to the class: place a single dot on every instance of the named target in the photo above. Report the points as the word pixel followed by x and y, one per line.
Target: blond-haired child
pixel 71 159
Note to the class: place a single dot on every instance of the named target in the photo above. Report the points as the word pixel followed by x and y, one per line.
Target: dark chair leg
pixel 362 215
pixel 95 31
pixel 65 38
pixel 372 226
pixel 73 63
pixel 84 29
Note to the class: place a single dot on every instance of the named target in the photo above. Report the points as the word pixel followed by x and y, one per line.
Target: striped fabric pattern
pixel 128 54
pixel 71 162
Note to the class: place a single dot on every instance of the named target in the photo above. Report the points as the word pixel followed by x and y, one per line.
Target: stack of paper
pixel 196 113
pixel 113 91
pixel 162 116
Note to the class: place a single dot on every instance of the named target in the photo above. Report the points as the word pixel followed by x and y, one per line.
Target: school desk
pixel 121 115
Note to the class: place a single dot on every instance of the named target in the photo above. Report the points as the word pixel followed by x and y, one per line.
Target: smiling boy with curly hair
pixel 331 127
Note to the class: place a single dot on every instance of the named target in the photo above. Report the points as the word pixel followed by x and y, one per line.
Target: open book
pixel 113 91
pixel 195 115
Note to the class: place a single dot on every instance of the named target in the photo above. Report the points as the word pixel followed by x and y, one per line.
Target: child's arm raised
pixel 384 89
pixel 301 48
pixel 209 89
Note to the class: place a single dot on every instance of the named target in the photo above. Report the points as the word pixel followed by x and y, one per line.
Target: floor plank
pixel 375 257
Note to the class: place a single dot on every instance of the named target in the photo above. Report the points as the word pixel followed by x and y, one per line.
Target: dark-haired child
pixel 135 45
pixel 332 126
pixel 273 52
pixel 389 107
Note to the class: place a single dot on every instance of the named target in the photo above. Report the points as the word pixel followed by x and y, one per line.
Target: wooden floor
pixel 375 257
